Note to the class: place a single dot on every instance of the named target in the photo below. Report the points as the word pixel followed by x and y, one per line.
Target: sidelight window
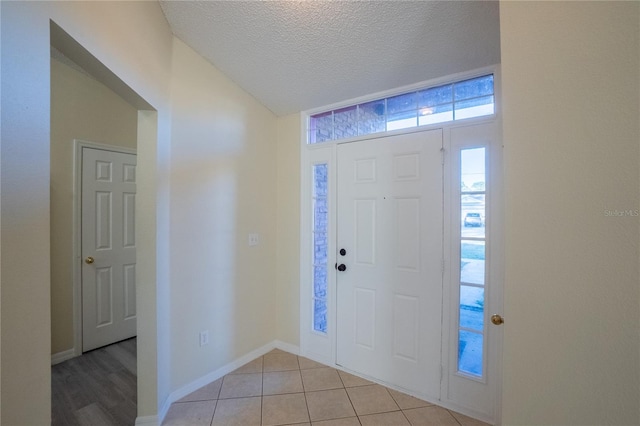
pixel 471 315
pixel 320 246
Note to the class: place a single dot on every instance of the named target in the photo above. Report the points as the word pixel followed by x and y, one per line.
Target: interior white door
pixel 390 225
pixel 108 247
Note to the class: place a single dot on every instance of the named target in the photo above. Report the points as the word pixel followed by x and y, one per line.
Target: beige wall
pixel 223 187
pixel 288 227
pixel 81 108
pixel 571 91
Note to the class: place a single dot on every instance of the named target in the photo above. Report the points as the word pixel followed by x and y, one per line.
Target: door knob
pixel 342 267
pixel 89 260
pixel 497 319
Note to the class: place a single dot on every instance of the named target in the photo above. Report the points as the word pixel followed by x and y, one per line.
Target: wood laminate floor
pixel 98 388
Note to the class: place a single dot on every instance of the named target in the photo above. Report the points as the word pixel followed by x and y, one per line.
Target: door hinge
pixel 442 156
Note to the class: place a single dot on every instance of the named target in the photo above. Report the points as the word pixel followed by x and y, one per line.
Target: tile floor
pixel 284 389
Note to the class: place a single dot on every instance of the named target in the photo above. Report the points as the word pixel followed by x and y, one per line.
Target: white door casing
pixel 478 397
pixel 389 298
pixel 108 192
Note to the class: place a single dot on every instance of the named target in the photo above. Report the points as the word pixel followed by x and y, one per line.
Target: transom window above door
pixel 445 103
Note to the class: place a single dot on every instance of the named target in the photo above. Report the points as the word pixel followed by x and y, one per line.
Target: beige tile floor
pixel 284 389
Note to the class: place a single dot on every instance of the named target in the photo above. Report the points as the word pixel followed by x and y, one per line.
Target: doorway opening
pixel 90 102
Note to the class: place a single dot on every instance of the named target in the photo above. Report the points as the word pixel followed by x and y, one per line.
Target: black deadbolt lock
pixel 343 252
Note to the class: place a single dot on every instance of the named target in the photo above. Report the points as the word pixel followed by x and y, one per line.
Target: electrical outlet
pixel 204 337
pixel 254 239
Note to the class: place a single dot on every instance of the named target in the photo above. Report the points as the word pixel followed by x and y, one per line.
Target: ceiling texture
pixel 298 55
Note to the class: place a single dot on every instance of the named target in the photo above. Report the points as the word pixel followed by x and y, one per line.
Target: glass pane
pixel 472 262
pixel 402 112
pixel 320 282
pixel 474 108
pixel 470 352
pixel 474 88
pixel 371 117
pixel 402 103
pixel 320 214
pixel 472 168
pixel 320 127
pixel 436 114
pixel 472 307
pixel 401 120
pixel 320 248
pixel 320 315
pixel 472 213
pixel 320 180
pixel 435 96
pixel 345 122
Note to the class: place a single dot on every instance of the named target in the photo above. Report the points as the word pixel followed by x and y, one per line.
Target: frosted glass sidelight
pixel 320 246
pixel 320 315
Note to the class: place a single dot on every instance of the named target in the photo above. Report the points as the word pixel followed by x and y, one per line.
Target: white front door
pixel 390 248
pixel 108 247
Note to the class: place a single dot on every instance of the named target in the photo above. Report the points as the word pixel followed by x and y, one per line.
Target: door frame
pixel 323 348
pixel 78 146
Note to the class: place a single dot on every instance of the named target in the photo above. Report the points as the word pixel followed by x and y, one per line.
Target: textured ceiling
pixel 294 56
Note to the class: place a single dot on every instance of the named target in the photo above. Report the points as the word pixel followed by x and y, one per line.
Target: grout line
pixel 262 393
pixel 454 417
pixel 405 416
pixel 215 407
pixel 304 392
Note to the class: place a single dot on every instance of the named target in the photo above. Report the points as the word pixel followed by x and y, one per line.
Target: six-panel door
pixel 390 206
pixel 108 247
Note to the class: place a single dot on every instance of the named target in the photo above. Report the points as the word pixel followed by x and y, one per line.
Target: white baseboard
pixel 287 347
pixel 147 421
pixel 62 356
pixel 221 372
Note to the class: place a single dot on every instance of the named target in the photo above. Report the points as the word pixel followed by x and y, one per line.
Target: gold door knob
pixel 89 260
pixel 497 319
